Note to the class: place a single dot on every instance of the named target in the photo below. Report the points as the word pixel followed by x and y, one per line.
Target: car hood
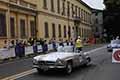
pixel 115 45
pixel 54 56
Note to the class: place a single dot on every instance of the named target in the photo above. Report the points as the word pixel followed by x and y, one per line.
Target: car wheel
pixel 88 61
pixel 68 68
pixel 39 70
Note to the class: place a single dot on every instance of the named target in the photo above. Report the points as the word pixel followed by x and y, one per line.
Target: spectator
pixel 68 48
pixel 45 47
pixel 61 42
pixel 60 48
pixel 35 47
pixel 5 44
pixel 54 45
pixel 22 49
pixel 17 49
pixel 41 42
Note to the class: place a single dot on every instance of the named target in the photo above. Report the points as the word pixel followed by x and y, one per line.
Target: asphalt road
pixel 101 68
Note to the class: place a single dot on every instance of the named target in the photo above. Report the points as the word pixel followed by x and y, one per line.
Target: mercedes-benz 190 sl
pixel 60 60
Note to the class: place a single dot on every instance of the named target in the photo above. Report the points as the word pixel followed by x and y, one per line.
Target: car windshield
pixel 115 42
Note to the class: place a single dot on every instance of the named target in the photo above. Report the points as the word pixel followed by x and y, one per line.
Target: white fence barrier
pixel 50 47
pixel 29 50
pixel 7 53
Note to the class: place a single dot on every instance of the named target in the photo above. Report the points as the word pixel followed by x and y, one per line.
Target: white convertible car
pixel 60 60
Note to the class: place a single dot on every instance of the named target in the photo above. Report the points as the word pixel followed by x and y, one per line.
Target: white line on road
pixel 20 75
pixel 94 50
pixel 14 77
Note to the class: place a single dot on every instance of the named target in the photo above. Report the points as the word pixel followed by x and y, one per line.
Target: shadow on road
pixel 59 74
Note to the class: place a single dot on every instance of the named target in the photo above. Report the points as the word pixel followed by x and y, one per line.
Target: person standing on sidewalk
pixel 78 44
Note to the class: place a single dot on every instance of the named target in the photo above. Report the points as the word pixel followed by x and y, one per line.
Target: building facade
pixel 97 23
pixel 17 19
pixel 47 19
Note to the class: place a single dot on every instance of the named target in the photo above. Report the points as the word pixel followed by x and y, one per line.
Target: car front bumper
pixel 44 67
pixel 110 49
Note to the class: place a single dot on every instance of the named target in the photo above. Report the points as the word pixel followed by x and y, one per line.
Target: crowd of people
pixel 20 45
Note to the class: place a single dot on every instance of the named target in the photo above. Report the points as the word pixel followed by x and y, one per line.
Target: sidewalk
pixel 35 54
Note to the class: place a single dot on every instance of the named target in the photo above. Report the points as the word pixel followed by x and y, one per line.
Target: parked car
pixel 113 44
pixel 65 61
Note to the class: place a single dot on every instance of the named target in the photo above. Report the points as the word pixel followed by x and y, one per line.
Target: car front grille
pixel 46 63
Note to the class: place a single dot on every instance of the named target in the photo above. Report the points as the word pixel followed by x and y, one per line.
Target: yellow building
pixel 60 19
pixel 63 19
pixel 17 19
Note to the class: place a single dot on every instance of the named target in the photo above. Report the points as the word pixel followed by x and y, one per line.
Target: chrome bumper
pixel 48 67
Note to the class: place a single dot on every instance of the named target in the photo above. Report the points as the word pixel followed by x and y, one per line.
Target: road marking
pixel 14 77
pixel 94 50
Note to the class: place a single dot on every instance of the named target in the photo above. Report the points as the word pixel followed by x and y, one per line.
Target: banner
pixel 29 50
pixel 39 48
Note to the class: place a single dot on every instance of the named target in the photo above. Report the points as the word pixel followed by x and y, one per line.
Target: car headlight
pixel 35 61
pixel 108 46
pixel 59 62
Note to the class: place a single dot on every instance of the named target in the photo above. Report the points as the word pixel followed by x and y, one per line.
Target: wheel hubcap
pixel 69 69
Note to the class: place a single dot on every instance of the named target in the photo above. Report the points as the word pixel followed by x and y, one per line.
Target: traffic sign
pixel 116 56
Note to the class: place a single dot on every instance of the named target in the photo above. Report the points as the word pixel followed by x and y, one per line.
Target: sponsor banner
pixel 116 56
pixel 7 53
pixel 29 50
pixel 39 48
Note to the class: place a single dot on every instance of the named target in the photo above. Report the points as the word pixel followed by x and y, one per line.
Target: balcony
pixel 77 20
pixel 24 4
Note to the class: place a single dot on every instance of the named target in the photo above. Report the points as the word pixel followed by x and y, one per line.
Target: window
pixel 63 5
pixel 69 31
pixel 45 4
pixel 12 27
pixel 59 29
pixel 68 8
pixel 65 35
pixel 3 25
pixel 53 30
pixel 82 14
pixel 76 11
pixel 22 28
pixel 58 4
pixel 72 10
pixel 79 12
pixel 32 28
pixel 52 5
pixel 46 30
